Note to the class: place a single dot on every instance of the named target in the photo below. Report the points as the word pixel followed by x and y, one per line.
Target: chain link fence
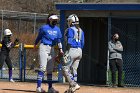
pixel 31 66
pixel 14 54
pixel 24 26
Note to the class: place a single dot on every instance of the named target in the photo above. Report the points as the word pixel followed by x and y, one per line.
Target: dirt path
pixel 27 87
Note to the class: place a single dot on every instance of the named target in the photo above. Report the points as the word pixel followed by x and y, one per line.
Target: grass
pixel 110 77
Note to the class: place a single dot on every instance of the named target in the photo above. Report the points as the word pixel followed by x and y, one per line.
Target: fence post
pixel 2 26
pixel 24 64
pixel 60 73
pixel 1 73
pixel 20 61
pixel 109 32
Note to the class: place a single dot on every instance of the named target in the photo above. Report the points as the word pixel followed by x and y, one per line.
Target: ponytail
pixel 78 27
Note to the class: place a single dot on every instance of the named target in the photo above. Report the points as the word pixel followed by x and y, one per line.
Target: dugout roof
pixel 97 10
pixel 98 7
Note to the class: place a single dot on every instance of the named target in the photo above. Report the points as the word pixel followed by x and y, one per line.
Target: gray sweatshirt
pixel 115 50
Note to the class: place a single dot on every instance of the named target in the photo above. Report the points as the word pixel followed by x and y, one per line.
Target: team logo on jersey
pixel 51 32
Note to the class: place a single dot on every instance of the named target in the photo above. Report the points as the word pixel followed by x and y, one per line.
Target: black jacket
pixel 6 45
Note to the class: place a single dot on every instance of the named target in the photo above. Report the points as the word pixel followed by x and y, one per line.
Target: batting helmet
pixel 7 32
pixel 73 19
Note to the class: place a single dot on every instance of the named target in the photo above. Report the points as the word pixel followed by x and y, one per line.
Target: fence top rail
pixel 25 46
pixel 19 12
pixel 22 15
pixel 14 47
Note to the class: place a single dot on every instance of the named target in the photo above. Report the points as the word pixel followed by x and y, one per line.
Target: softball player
pixel 4 54
pixel 49 35
pixel 75 44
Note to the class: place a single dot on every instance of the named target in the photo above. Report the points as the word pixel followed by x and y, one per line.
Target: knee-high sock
pixel 75 77
pixel 39 78
pixel 49 78
pixel 10 74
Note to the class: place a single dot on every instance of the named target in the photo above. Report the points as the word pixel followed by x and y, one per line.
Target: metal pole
pixel 109 31
pixel 24 64
pixel 1 73
pixel 2 27
pixel 34 23
pixel 19 22
pixel 60 73
pixel 1 38
pixel 20 61
pixel 62 25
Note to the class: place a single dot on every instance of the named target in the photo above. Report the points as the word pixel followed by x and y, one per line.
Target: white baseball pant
pixel 46 55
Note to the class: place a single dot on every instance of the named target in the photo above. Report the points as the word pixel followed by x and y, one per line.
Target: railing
pixel 28 64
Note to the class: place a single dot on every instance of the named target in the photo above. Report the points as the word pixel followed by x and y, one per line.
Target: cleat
pixel 69 91
pixel 11 80
pixel 120 86
pixel 76 87
pixel 52 90
pixel 113 86
pixel 40 90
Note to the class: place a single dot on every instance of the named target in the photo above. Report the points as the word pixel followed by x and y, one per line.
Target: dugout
pixel 99 21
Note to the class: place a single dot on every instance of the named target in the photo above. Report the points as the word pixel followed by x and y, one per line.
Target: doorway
pixel 92 68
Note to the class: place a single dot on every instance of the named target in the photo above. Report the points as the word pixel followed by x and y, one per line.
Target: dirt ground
pixel 30 87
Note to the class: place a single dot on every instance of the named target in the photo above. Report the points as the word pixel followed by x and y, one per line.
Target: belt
pixel 48 45
pixel 116 59
pixel 75 47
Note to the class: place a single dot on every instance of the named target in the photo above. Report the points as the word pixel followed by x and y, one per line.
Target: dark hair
pixel 114 34
pixel 48 21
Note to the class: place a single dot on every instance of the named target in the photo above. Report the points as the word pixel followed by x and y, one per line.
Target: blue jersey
pixel 74 38
pixel 49 35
